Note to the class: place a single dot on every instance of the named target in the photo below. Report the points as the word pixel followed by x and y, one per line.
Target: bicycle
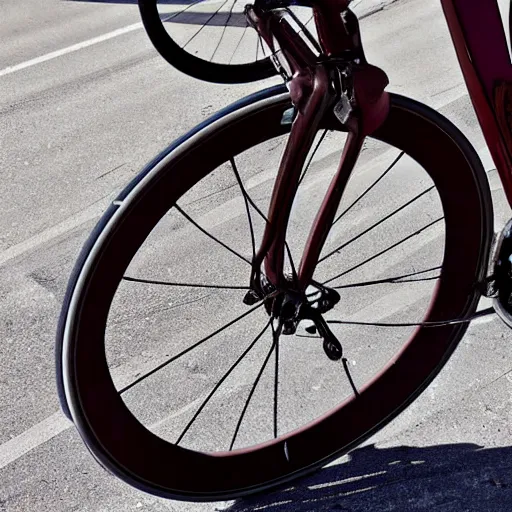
pixel 333 94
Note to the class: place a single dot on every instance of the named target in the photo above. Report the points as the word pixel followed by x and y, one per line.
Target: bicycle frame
pixel 314 88
pixel 481 47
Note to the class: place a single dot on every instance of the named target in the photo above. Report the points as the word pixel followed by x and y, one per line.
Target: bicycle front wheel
pixel 182 390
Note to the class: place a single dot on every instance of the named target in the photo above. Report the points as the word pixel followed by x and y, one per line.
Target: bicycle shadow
pixel 160 2
pixel 448 478
pixel 227 18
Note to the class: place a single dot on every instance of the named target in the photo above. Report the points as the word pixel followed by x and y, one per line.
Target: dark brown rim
pixel 114 435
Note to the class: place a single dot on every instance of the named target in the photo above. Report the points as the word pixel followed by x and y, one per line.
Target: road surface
pixel 85 101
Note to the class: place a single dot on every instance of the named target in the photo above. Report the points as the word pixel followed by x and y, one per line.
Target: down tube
pixel 481 46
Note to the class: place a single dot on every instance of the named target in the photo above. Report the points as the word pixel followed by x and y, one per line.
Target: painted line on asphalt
pixel 92 212
pixel 70 49
pixel 52 426
pixel 32 438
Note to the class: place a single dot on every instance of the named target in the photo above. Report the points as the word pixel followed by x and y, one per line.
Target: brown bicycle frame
pixel 313 92
pixel 481 46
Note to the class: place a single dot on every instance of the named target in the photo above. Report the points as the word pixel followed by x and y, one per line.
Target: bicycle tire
pixel 106 425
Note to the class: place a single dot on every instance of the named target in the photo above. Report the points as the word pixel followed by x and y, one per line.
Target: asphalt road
pixel 85 101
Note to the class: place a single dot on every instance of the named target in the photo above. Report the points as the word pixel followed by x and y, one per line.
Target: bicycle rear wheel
pixel 180 389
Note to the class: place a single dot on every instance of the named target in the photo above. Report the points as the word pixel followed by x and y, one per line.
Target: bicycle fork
pixel 345 88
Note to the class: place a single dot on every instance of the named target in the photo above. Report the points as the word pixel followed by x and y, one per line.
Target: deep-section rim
pixel 152 482
pixel 234 109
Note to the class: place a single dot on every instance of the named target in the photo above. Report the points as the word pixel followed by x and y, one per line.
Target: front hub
pixel 289 307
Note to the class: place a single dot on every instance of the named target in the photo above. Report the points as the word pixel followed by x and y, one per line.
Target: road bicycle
pixel 209 347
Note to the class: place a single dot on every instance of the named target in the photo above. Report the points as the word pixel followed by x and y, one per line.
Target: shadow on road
pixel 189 17
pixel 447 478
pixel 160 2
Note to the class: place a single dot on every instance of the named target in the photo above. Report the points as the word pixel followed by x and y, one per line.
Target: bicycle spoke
pixel 369 188
pixel 384 251
pixel 195 345
pixel 441 323
pixel 287 247
pixel 276 335
pixel 394 280
pixel 322 137
pixel 258 211
pixel 219 383
pixel 302 30
pixel 204 25
pixel 246 201
pixel 251 393
pixel 185 285
pixel 238 44
pixel 246 194
pixel 192 221
pixel 262 46
pixel 349 376
pixel 378 223
pixel 224 29
pixel 295 276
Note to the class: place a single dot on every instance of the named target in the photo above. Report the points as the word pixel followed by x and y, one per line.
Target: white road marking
pixel 52 426
pixel 32 438
pixel 70 49
pixel 90 213
pixel 346 480
pixel 504 7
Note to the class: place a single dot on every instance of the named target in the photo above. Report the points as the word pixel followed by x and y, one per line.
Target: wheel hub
pixel 290 307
